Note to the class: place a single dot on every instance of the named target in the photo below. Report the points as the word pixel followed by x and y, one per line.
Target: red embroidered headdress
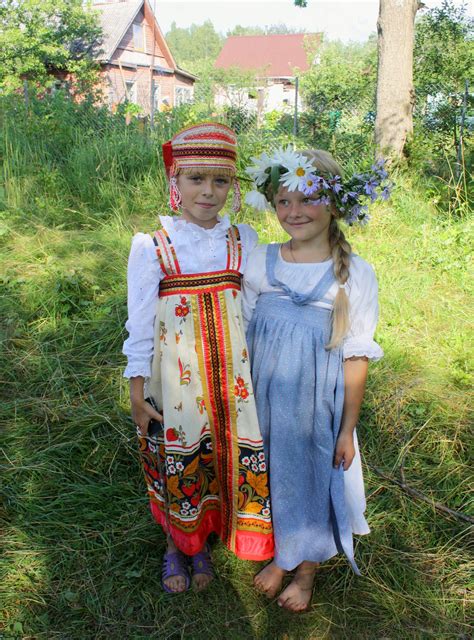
pixel 209 147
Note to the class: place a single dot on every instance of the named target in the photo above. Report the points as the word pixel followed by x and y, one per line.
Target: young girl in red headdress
pixel 190 386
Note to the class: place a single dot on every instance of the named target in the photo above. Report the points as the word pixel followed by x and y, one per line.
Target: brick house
pixel 136 63
pixel 276 61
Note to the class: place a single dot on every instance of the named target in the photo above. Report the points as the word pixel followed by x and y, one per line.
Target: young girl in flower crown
pixel 311 308
pixel 190 387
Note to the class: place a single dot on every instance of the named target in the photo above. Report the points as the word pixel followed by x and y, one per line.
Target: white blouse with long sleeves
pixel 361 288
pixel 198 250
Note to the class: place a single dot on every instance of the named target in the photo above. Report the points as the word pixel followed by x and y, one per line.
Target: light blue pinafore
pixel 299 391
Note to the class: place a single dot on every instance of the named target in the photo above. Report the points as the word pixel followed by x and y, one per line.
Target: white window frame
pixel 131 91
pixel 138 36
pixel 182 95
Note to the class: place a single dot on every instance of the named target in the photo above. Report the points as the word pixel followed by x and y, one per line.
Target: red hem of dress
pixel 249 545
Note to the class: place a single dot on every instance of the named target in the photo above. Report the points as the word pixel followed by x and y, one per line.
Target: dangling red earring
pixel 175 194
pixel 237 199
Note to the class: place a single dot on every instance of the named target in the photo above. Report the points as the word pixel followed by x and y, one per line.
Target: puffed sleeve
pixel 364 311
pixel 254 276
pixel 143 279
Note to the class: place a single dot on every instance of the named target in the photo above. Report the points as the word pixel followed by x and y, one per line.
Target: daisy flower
pixel 288 157
pixel 257 200
pixel 291 179
pixel 258 172
pixel 297 166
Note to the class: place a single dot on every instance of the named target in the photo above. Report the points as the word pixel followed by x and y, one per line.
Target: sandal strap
pixel 202 562
pixel 174 564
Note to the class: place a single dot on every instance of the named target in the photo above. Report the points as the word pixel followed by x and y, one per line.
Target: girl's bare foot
pixel 297 595
pixel 176 583
pixel 269 579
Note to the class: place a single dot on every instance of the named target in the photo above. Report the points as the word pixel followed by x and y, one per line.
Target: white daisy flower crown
pixel 291 169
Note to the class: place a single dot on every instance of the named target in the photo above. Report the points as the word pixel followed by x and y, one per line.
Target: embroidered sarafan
pixel 205 469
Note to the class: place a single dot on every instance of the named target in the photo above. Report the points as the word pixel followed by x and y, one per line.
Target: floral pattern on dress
pixel 176 434
pixel 200 484
pixel 201 406
pixel 241 389
pixel 184 373
pixel 190 479
pixel 163 332
pixel 253 483
pixel 183 309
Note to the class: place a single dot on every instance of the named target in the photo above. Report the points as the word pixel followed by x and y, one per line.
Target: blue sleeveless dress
pixel 299 392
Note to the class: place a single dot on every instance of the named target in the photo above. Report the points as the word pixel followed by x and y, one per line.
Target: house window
pixel 131 93
pixel 156 97
pixel 182 95
pixel 138 37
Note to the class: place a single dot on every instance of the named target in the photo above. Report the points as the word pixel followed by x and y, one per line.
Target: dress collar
pixel 176 223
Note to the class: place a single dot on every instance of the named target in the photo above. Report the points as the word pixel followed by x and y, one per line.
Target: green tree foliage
pixel 231 83
pixel 267 30
pixel 192 45
pixel 342 74
pixel 444 55
pixel 443 60
pixel 342 78
pixel 239 30
pixel 37 36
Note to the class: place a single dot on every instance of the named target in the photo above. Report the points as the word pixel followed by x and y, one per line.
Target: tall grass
pixel 81 554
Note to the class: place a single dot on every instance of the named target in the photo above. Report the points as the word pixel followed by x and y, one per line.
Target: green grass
pixel 82 557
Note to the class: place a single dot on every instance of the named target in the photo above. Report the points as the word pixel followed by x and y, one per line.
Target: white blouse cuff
pixel 134 370
pixel 361 346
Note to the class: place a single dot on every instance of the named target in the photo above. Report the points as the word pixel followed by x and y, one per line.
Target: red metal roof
pixel 273 55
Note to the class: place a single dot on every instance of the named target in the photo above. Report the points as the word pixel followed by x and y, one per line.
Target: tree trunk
pixel 395 93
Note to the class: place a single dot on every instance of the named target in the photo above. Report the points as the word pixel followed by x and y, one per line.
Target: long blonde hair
pixel 340 250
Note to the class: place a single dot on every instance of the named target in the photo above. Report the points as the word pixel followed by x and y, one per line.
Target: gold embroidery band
pixel 218 392
pixel 234 249
pixel 200 283
pixel 166 254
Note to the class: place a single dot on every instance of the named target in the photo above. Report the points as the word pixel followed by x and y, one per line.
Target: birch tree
pixel 395 91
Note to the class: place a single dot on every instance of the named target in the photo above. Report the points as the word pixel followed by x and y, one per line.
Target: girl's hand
pixel 345 450
pixel 142 413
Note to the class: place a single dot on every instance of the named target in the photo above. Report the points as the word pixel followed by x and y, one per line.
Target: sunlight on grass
pixel 82 555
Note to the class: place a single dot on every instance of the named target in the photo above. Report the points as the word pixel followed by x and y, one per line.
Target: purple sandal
pixel 202 563
pixel 175 564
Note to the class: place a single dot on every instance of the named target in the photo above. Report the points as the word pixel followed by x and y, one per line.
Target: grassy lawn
pixel 82 557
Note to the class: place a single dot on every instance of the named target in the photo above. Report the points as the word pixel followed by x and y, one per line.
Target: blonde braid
pixel 341 254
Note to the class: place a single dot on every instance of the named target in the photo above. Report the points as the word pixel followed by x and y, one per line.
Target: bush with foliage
pixel 37 36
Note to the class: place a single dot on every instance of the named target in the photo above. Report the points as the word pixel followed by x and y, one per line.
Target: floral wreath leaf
pixel 275 177
pixel 289 168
